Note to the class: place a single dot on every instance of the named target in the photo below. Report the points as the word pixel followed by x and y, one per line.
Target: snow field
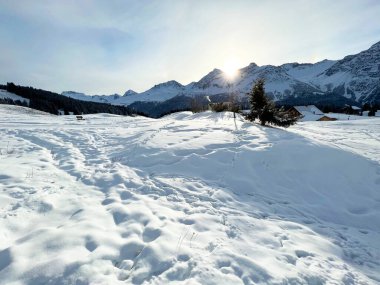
pixel 187 199
pixel 7 95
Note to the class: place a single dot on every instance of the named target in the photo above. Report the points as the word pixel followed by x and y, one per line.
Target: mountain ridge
pixel 355 77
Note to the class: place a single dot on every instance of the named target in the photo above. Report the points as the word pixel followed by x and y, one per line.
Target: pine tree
pixel 257 100
pixel 264 109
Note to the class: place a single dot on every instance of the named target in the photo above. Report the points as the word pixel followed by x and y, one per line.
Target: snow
pixel 310 109
pixel 5 94
pixel 93 98
pixel 187 199
pixel 306 72
pixel 307 116
pixel 346 117
pixel 309 113
pixel 158 93
pixel 365 113
pixel 339 134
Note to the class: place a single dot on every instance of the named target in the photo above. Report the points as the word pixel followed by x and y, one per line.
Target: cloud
pixel 110 46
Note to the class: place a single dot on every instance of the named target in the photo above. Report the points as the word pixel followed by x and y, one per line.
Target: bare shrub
pixel 197 105
pixel 219 107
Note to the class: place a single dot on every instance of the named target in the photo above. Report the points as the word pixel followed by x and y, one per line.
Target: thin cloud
pixel 111 46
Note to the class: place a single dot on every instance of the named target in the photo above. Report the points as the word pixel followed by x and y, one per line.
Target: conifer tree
pixel 257 100
pixel 264 109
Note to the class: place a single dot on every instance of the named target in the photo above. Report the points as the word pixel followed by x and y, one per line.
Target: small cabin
pixel 309 113
pixel 326 118
pixel 80 118
pixel 305 110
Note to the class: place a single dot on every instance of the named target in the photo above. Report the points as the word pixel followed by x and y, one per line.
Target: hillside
pixel 7 95
pixel 187 199
pixel 54 103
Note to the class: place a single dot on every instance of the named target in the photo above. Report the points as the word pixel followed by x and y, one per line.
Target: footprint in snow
pixel 119 217
pixel 151 234
pixel 91 245
pixel 302 253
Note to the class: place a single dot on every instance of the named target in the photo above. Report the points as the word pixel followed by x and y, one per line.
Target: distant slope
pixel 21 110
pixel 52 102
pixel 94 98
pixel 7 95
pixel 355 76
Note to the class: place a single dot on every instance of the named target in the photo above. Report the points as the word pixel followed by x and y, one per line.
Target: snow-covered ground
pixel 346 117
pixel 187 199
pixel 7 95
pixel 309 117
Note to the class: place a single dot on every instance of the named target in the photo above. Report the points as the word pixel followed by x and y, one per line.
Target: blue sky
pixel 104 47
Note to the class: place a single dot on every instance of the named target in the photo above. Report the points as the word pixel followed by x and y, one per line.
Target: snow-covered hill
pixel 187 199
pixel 93 98
pixel 163 91
pixel 355 77
pixel 130 92
pixel 7 95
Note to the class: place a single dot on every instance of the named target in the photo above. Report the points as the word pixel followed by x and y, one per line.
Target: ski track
pixel 129 219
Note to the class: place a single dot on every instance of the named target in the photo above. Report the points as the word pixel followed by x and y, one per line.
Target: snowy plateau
pixel 187 199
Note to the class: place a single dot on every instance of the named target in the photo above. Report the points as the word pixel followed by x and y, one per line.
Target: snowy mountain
pixel 93 98
pixel 355 78
pixel 130 92
pixel 160 92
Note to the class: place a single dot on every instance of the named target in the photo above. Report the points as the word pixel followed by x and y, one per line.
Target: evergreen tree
pixel 257 100
pixel 264 109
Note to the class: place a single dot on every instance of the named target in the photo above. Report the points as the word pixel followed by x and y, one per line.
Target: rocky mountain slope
pixel 355 78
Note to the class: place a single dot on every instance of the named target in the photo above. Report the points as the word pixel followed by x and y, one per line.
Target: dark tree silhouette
pixel 264 109
pixel 52 102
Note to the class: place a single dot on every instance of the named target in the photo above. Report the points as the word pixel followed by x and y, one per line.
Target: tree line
pixel 51 102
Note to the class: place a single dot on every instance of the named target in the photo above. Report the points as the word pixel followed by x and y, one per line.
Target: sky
pixel 106 47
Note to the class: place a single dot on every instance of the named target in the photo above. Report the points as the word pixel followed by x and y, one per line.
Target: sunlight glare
pixel 230 69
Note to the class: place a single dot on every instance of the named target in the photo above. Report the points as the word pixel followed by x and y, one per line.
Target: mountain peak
pixel 68 93
pixel 130 92
pixel 252 64
pixel 171 83
pixel 214 72
pixel 250 67
pixel 375 46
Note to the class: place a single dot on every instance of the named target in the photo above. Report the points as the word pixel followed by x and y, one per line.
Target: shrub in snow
pixel 219 107
pixel 197 105
pixel 264 109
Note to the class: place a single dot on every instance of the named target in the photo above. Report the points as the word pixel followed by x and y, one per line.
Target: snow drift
pixel 187 199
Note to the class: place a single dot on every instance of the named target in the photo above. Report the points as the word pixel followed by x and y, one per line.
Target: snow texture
pixel 7 95
pixel 187 199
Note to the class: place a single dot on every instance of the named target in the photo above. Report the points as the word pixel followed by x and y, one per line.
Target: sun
pixel 230 69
